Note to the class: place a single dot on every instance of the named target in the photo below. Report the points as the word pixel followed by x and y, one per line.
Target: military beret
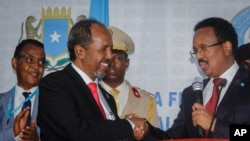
pixel 121 40
pixel 242 52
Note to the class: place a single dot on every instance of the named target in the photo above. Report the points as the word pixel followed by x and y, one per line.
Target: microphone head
pixel 197 84
pixel 223 82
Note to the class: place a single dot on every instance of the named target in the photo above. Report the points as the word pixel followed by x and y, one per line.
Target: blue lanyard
pixel 10 111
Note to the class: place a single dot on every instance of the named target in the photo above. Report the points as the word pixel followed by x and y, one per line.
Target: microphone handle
pixel 201 131
pixel 199 99
pixel 198 96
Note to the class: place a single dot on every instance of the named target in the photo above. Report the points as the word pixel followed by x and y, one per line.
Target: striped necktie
pixel 27 104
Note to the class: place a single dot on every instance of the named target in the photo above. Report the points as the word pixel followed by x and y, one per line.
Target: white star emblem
pixel 55 37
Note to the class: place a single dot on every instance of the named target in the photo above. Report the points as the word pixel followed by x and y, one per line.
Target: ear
pixel 228 49
pixel 80 51
pixel 14 63
pixel 127 62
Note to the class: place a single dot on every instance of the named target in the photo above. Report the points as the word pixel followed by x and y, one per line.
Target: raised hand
pixel 29 133
pixel 20 121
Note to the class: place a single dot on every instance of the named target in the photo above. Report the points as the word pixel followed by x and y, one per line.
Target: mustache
pixel 100 75
pixel 202 61
pixel 106 61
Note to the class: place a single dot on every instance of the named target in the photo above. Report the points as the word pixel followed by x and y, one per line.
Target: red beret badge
pixel 136 93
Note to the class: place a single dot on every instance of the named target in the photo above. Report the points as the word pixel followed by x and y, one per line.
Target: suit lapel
pixel 5 102
pixel 35 105
pixel 232 93
pixel 110 100
pixel 81 87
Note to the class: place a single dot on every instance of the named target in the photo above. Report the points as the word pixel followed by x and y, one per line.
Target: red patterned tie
pixel 213 100
pixel 93 88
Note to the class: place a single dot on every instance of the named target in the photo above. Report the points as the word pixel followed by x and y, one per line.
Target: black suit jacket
pixel 68 112
pixel 233 109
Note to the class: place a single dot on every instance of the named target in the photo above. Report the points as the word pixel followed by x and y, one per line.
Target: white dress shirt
pixel 108 112
pixel 19 99
pixel 228 75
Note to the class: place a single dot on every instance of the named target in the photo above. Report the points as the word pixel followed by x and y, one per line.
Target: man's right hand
pixel 25 133
pixel 29 133
pixel 141 126
pixel 20 121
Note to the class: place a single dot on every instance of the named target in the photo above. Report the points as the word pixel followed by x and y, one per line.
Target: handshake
pixel 140 125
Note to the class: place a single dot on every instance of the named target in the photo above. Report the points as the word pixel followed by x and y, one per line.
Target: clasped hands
pixel 26 133
pixel 141 126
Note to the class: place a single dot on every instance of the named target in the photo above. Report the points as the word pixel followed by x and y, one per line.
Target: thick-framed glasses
pixel 32 60
pixel 203 48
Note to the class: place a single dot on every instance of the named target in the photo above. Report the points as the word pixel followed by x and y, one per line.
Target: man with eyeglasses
pixel 214 45
pixel 18 106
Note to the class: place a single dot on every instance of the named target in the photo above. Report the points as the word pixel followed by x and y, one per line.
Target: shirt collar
pixel 229 74
pixel 21 90
pixel 108 88
pixel 83 75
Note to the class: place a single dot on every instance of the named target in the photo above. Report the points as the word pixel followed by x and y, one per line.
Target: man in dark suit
pixel 214 46
pixel 68 110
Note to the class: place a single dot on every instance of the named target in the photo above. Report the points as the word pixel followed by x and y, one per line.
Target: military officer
pixel 129 99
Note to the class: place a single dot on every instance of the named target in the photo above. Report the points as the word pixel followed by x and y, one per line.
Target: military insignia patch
pixel 136 93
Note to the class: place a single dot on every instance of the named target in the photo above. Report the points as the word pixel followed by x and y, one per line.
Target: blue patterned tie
pixel 27 104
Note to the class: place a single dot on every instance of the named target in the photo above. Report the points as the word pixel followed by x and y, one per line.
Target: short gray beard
pixel 99 76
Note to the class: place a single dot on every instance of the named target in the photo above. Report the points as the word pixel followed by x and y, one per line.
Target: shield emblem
pixel 56 25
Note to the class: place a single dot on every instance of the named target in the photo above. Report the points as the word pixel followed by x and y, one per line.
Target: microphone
pixel 197 86
pixel 222 84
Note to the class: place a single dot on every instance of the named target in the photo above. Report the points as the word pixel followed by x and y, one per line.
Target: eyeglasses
pixel 203 48
pixel 32 60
